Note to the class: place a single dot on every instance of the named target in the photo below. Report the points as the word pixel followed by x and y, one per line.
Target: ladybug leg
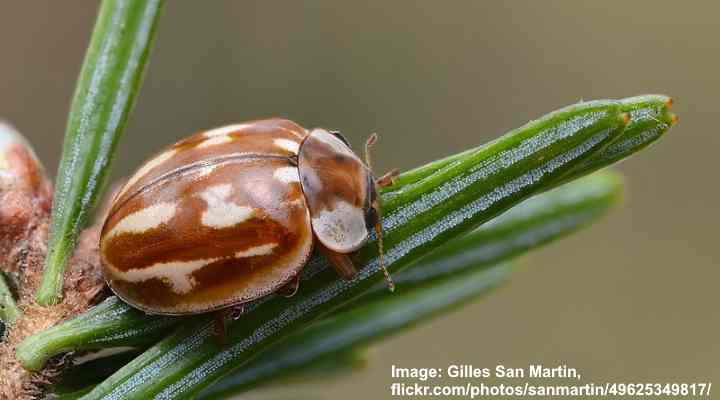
pixel 220 335
pixel 236 311
pixel 290 288
pixel 388 178
pixel 341 263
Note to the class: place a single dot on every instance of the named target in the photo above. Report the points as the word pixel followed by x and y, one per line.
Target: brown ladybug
pixel 226 216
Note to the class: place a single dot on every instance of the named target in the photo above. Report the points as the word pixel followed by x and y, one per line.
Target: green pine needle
pixel 109 81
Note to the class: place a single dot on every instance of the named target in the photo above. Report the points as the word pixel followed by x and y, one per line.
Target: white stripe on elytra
pixel 292 131
pixel 262 250
pixel 147 218
pixel 225 130
pixel 214 141
pixel 178 274
pixel 287 174
pixel 206 170
pixel 147 167
pixel 221 213
pixel 287 144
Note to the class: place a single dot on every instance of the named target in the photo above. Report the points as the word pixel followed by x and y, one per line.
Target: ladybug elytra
pixel 229 215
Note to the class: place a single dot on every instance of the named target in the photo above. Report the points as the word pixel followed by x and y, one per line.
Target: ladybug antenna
pixel 378 211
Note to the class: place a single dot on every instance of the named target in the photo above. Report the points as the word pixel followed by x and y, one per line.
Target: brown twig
pixel 25 202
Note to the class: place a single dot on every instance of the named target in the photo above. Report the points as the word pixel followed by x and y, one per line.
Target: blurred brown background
pixel 634 298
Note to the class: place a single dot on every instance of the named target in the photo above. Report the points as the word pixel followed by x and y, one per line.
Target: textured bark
pixel 25 203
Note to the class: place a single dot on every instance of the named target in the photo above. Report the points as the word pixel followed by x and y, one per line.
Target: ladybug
pixel 233 214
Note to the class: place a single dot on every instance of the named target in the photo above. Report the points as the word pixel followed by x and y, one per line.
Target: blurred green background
pixel 634 298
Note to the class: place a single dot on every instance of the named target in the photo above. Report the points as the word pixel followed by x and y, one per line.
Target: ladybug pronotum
pixel 226 216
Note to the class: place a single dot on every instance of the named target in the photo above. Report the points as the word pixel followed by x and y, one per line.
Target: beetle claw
pixel 220 335
pixel 290 288
pixel 341 263
pixel 388 178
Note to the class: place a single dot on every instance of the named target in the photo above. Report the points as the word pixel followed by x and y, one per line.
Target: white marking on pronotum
pixel 214 141
pixel 147 167
pixel 288 145
pixel 148 218
pixel 225 130
pixel 332 141
pixel 262 250
pixel 221 213
pixel 287 174
pixel 178 274
pixel 342 229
